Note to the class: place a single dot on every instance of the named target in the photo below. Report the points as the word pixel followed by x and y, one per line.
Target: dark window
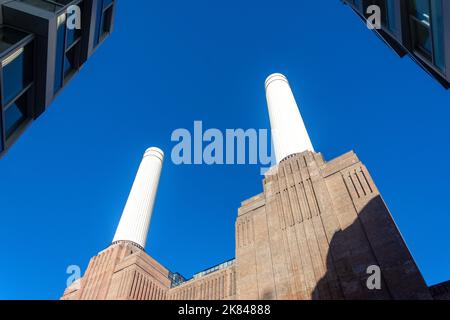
pixel 15 115
pixel 391 15
pixel 98 21
pixel 437 28
pixel 71 61
pixel 72 36
pixel 106 23
pixel 427 30
pixel 13 75
pixel 103 20
pixel 9 37
pixel 68 46
pixel 16 65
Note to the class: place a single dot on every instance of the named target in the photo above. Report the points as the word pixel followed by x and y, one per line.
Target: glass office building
pixel 41 48
pixel 418 28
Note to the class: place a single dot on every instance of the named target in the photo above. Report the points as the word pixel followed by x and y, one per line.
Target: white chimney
pixel 289 133
pixel 135 221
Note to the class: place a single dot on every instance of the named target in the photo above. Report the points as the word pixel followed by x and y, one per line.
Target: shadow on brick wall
pixel 371 240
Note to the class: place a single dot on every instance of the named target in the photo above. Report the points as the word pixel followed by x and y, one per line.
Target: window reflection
pixel 103 19
pixel 391 11
pixel 16 74
pixel 67 51
pixel 427 30
pixel 13 75
pixel 15 115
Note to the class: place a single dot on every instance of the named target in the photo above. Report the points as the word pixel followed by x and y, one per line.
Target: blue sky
pixel 64 184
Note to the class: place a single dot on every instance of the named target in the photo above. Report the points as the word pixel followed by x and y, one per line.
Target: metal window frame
pixel 7 142
pixel 102 36
pixel 429 64
pixel 66 79
pixel 92 45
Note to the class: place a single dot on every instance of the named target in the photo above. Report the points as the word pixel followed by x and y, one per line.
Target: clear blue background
pixel 64 184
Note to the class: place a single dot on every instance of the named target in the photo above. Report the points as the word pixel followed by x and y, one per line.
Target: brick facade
pixel 311 234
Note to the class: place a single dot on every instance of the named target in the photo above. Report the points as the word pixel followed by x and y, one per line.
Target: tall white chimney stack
pixel 136 216
pixel 289 133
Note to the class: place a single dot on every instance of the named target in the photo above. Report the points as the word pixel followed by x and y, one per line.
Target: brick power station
pixel 313 233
